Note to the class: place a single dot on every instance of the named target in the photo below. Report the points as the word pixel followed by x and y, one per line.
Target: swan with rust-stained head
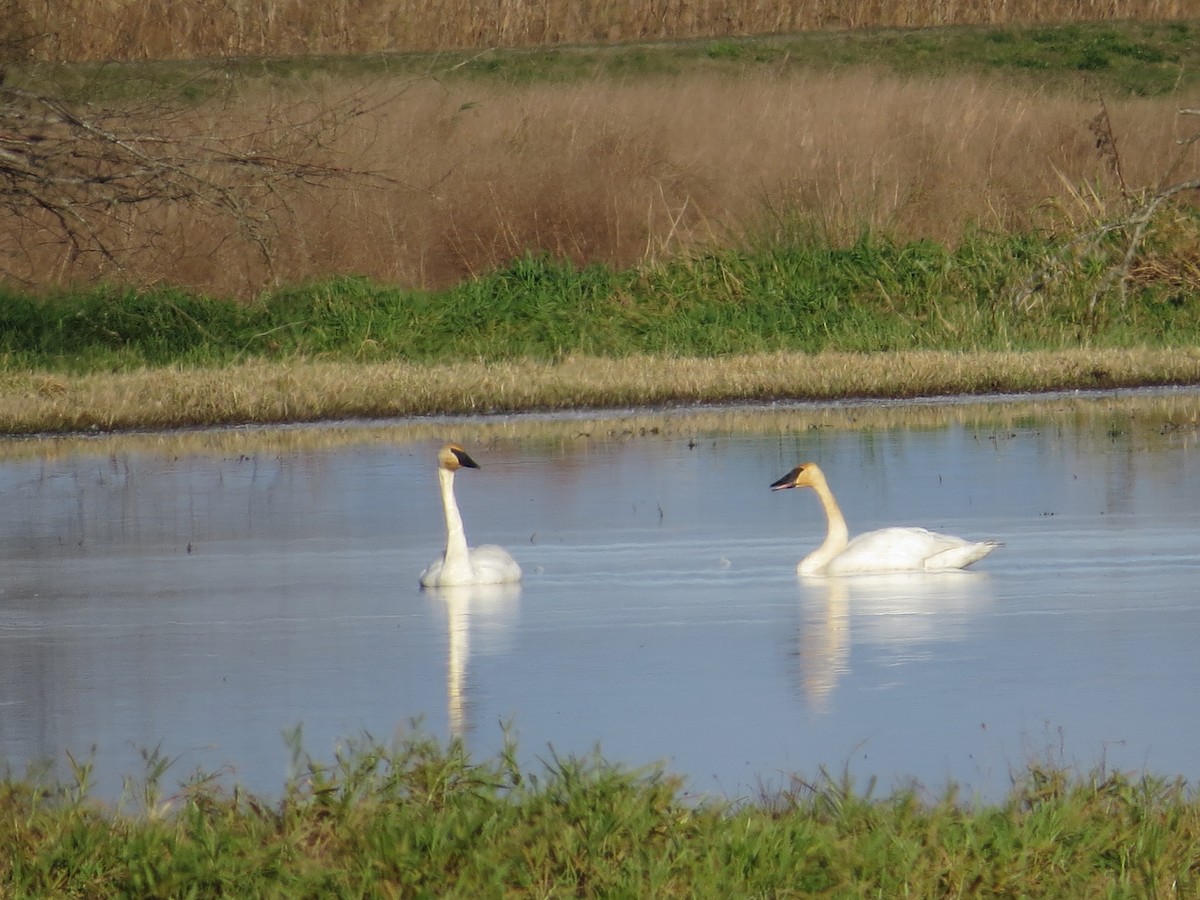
pixel 885 550
pixel 460 564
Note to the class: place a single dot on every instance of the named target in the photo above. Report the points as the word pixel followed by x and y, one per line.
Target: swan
pixel 486 564
pixel 885 550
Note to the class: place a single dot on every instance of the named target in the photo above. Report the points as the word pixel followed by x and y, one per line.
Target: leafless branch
pixel 91 176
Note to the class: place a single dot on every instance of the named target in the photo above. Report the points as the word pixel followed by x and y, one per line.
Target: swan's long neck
pixel 837 535
pixel 457 553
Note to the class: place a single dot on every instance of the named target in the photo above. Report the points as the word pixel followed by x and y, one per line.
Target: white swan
pixel 460 564
pixel 885 550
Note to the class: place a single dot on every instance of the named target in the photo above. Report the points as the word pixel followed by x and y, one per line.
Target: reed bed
pixel 258 392
pixel 162 29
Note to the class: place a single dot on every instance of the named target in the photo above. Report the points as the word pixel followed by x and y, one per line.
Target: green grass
pixel 420 819
pixel 1118 59
pixel 873 296
pixel 1127 58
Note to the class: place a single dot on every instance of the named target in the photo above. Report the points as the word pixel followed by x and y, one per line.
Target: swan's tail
pixel 960 557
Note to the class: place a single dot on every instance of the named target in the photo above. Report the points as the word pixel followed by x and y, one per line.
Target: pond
pixel 199 596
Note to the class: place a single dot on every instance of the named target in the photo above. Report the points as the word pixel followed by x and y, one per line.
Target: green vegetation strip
pixel 1147 58
pixel 788 322
pixel 873 296
pixel 418 819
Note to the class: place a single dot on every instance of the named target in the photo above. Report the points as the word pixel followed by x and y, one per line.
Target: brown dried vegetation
pixel 316 391
pixel 457 177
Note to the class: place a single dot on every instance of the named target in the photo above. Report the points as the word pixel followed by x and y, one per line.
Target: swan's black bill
pixel 463 458
pixel 787 481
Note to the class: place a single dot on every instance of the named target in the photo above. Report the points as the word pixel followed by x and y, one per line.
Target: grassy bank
pixel 419 819
pixel 788 323
pixel 529 220
pixel 873 296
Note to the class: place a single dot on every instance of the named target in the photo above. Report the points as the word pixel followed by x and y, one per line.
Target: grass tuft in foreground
pixel 421 819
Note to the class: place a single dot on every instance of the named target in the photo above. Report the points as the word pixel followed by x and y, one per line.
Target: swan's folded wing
pixel 906 550
pixel 961 556
pixel 493 565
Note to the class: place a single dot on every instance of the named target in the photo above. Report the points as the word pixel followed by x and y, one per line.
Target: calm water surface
pixel 206 593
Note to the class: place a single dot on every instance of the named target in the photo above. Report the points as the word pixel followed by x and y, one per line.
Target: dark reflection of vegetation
pixel 1146 420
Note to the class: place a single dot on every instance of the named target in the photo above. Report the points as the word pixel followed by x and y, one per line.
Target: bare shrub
pixel 1110 228
pixel 158 189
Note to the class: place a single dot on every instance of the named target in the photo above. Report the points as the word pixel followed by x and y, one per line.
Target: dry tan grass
pixel 298 392
pixel 1146 418
pixel 169 29
pixel 473 175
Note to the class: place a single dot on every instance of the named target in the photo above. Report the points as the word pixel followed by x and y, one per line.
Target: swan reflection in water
pixel 902 614
pixel 488 610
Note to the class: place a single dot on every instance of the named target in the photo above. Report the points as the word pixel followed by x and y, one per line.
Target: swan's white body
pixel 885 550
pixel 460 564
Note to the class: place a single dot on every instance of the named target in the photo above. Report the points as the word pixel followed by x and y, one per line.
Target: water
pixel 206 593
